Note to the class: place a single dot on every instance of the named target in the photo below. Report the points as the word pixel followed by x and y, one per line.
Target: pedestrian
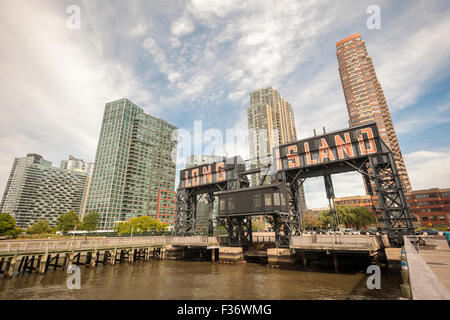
pixel 447 236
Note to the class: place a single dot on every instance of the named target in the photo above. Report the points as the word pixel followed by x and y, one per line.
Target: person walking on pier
pixel 447 236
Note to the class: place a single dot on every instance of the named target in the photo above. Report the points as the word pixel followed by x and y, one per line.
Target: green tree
pixel 351 217
pixel 139 225
pixel 40 227
pixel 310 221
pixel 90 221
pixel 14 232
pixel 7 224
pixel 67 222
pixel 123 227
pixel 257 225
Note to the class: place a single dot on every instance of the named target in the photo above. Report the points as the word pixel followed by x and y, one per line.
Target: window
pixel 222 205
pixel 432 218
pixel 256 201
pixel 441 218
pixel 231 204
pixel 424 218
pixel 283 201
pixel 276 199
pixel 268 200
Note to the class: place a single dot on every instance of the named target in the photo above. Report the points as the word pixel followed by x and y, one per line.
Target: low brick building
pixel 431 207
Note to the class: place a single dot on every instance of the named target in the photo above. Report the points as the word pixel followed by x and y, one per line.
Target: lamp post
pixel 73 236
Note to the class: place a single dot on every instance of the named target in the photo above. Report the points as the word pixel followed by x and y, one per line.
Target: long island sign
pixel 351 143
pixel 212 173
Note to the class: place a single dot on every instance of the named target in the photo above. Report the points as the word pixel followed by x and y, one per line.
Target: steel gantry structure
pixel 206 180
pixel 354 149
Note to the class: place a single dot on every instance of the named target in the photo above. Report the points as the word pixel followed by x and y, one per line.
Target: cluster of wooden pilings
pixel 40 262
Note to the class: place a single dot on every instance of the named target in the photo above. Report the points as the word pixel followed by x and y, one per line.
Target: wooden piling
pixel 43 263
pixel 336 263
pixel 305 260
pixel 94 259
pixel 112 261
pixel 12 265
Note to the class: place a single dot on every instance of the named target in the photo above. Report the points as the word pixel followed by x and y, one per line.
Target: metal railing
pixel 333 242
pixel 263 239
pixel 424 283
pixel 68 244
pixel 422 242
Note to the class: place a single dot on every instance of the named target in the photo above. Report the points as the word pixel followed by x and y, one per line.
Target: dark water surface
pixel 197 280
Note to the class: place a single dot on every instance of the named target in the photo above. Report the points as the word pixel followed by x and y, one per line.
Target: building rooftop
pixel 356 35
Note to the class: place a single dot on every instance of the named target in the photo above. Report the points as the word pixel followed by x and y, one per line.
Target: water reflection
pixel 197 280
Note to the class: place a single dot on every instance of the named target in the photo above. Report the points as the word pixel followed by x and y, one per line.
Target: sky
pixel 198 60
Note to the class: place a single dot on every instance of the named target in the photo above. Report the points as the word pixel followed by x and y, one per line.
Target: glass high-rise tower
pixel 133 162
pixel 365 98
pixel 270 123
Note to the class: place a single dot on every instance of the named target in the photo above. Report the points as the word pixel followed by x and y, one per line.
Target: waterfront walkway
pixel 439 262
pixel 429 270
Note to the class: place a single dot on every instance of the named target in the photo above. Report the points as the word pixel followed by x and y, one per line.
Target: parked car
pixel 348 231
pixel 371 232
pixel 321 231
pixel 430 232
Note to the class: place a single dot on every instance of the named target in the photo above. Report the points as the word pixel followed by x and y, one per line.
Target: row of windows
pixel 278 198
pixel 433 218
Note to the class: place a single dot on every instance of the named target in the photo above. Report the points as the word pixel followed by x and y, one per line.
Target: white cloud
pixel 423 119
pixel 210 10
pixel 139 30
pixel 345 185
pixel 428 168
pixel 54 82
pixel 54 86
pixel 412 54
pixel 182 27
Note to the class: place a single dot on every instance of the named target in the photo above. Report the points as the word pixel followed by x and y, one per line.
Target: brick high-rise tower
pixel 365 98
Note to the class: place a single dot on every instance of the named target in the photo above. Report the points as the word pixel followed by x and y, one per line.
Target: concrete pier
pixel 282 257
pixel 393 257
pixel 231 255
pixel 174 253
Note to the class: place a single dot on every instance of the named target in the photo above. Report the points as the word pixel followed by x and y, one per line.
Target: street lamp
pixel 73 236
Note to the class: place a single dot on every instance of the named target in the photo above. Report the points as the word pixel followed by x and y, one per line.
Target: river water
pixel 171 280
